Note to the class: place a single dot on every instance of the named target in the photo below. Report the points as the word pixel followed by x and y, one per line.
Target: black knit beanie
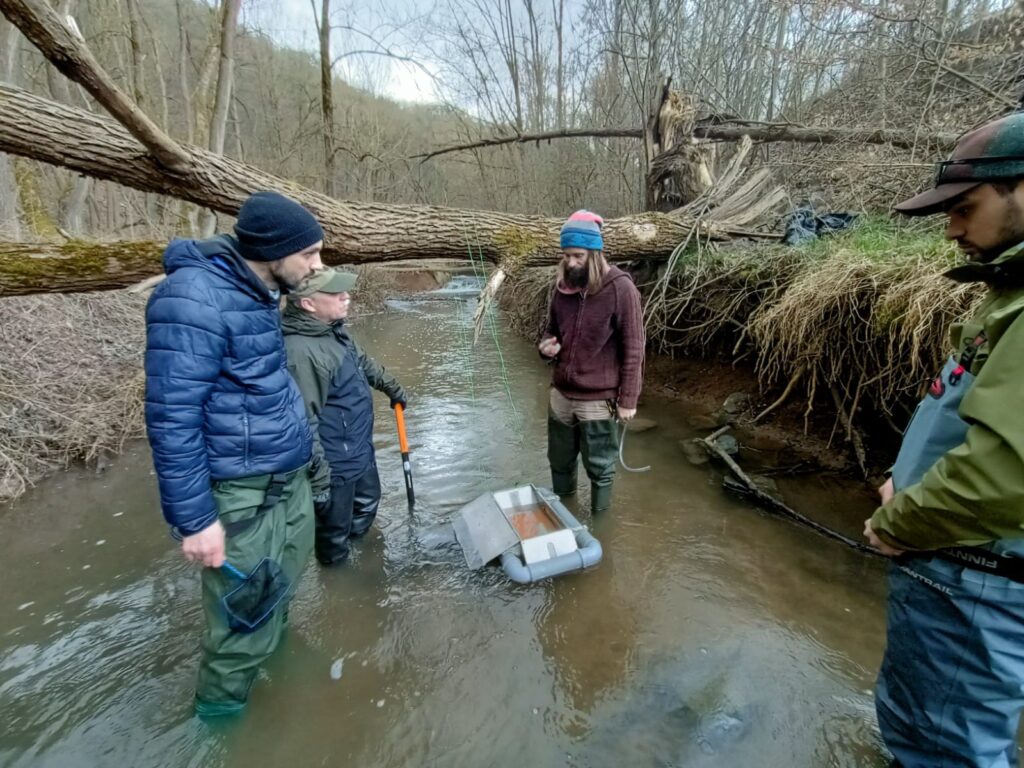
pixel 271 226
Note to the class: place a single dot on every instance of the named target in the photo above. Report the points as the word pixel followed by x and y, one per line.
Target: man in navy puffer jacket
pixel 227 425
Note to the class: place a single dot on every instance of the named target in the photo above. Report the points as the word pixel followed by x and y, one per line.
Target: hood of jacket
pixel 218 255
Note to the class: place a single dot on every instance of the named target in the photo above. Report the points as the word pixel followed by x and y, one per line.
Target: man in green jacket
pixel 951 688
pixel 335 376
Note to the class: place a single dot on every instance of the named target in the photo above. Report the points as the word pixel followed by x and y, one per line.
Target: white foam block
pixel 548 546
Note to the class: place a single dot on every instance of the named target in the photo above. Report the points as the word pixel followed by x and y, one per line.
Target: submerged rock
pixel 720 730
pixel 685 713
pixel 728 443
pixel 723 418
pixel 695 451
pixel 736 403
pixel 765 485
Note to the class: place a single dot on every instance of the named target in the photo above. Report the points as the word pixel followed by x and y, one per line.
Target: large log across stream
pixel 135 152
pixel 355 233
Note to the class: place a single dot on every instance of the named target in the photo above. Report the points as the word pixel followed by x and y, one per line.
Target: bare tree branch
pixel 724 132
pixel 525 138
pixel 367 52
pixel 823 135
pixel 999 97
pixel 66 50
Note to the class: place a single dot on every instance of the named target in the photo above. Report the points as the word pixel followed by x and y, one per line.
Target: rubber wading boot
pixel 600 498
pixel 563 449
pixel 600 448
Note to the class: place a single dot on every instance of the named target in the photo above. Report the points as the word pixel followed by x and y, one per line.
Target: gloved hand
pixel 398 398
pixel 322 500
pixel 315 465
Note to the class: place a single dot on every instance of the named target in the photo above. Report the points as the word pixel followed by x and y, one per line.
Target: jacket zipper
pixel 245 447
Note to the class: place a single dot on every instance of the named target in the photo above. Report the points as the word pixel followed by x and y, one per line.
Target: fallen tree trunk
pixel 355 233
pixel 135 152
pixel 64 47
pixel 27 268
pixel 809 134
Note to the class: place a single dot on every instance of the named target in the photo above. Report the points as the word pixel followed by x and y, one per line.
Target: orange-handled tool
pixel 403 446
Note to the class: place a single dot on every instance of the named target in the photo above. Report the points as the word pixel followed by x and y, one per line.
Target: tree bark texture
pixel 225 76
pixel 75 266
pixel 327 98
pixel 355 233
pixel 135 42
pixel 222 101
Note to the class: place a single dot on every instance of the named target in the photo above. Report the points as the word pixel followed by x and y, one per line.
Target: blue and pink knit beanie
pixel 583 230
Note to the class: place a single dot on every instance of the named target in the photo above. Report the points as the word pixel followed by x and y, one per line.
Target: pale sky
pixel 292 23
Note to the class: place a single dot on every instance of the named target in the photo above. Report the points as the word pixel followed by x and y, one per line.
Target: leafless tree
pixel 225 83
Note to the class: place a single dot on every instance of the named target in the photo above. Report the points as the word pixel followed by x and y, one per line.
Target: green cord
pixel 493 326
pixel 480 271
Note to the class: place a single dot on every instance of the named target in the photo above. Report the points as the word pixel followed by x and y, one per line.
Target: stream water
pixel 710 635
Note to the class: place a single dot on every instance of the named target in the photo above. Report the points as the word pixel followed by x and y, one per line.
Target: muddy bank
pixel 720 382
pixel 789 439
pixel 848 327
pixel 803 469
pixel 714 392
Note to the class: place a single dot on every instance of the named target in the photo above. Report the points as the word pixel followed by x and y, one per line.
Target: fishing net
pixel 250 605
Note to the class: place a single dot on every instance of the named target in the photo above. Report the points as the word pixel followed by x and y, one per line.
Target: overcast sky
pixel 292 23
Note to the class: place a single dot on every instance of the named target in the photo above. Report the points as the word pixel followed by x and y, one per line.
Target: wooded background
pixel 208 75
pixel 684 123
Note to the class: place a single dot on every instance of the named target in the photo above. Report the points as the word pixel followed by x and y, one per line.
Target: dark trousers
pixel 348 514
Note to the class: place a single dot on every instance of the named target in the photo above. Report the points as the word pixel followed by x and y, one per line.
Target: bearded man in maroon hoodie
pixel 595 336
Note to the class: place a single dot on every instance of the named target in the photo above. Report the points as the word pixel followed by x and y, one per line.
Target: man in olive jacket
pixel 335 376
pixel 951 688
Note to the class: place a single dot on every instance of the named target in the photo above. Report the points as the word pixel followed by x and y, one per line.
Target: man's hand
pixel 549 346
pixel 624 414
pixel 205 547
pixel 877 543
pixel 886 491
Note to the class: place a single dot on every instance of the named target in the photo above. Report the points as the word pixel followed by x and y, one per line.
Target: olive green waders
pixel 600 448
pixel 282 532
pixel 573 432
pixel 563 451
